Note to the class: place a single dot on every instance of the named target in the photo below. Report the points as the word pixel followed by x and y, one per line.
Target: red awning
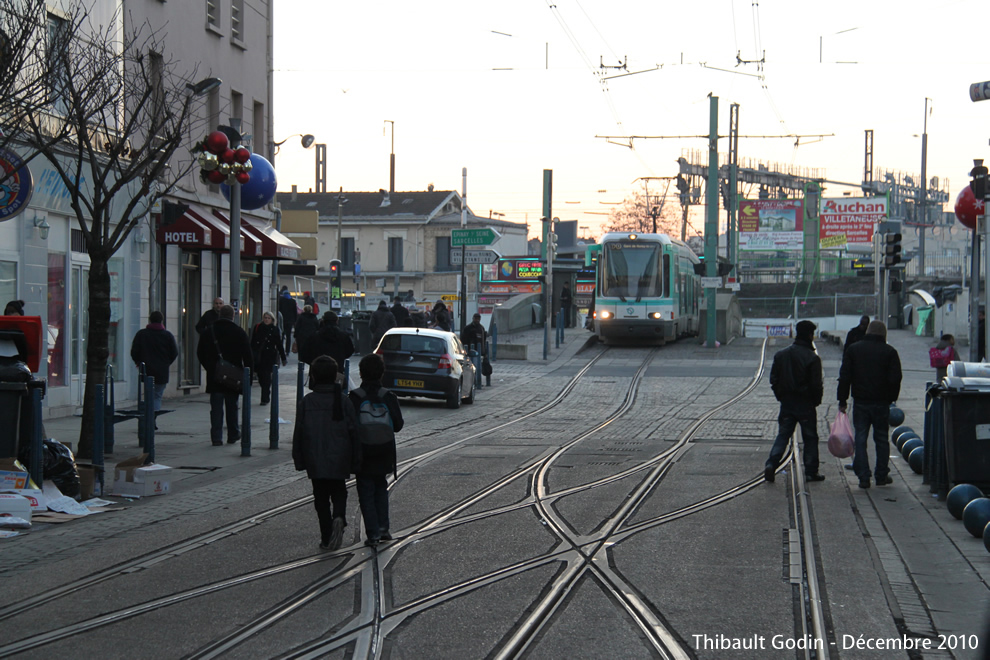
pixel 194 230
pixel 274 244
pixel 251 244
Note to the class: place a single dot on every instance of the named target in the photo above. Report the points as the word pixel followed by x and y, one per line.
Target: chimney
pixel 295 190
pixel 429 188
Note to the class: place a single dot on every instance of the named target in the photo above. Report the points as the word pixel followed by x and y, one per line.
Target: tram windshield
pixel 632 270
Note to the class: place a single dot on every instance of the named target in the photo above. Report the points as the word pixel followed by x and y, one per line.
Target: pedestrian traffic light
pixel 891 249
pixel 335 284
pixel 979 174
pixel 552 237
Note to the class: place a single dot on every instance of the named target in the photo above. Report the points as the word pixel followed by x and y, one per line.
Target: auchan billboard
pixel 849 222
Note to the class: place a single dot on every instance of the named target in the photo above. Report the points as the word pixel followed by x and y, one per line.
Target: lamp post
pixel 391 160
pixel 923 203
pixel 306 141
pixel 341 200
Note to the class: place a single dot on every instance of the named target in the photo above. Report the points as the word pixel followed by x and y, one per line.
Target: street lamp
pixel 306 141
pixel 391 161
pixel 204 86
pixel 341 200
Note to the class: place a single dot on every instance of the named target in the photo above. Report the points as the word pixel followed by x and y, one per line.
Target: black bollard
pixel 108 412
pixel 273 422
pixel 99 442
pixel 37 445
pixel 476 360
pixel 149 419
pixel 493 333
pixel 246 414
pixel 141 396
pixel 300 378
pixel 347 376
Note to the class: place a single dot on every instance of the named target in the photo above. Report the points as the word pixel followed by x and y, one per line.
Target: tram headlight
pixel 605 314
pixel 656 315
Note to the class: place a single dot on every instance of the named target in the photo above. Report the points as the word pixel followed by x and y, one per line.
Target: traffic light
pixel 335 284
pixel 552 238
pixel 979 174
pixel 891 249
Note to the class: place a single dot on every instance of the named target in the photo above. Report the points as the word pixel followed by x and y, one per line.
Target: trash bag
pixel 486 366
pixel 60 467
pixel 840 439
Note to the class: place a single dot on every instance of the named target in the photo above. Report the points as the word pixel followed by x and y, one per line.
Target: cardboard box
pixel 89 485
pixel 34 496
pixel 15 505
pixel 12 474
pixel 133 478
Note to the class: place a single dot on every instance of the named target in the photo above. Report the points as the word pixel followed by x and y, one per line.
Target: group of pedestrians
pixel 870 371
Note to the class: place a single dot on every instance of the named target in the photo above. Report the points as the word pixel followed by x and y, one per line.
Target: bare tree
pixel 109 115
pixel 635 214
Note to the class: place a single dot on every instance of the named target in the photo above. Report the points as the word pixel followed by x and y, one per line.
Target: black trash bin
pixel 361 325
pixel 966 420
pixel 15 400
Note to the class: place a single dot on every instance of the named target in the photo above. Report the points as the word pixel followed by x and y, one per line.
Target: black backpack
pixel 374 420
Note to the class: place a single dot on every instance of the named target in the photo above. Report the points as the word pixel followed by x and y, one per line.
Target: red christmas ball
pixel 242 177
pixel 227 156
pixel 242 155
pixel 968 207
pixel 217 142
pixel 216 176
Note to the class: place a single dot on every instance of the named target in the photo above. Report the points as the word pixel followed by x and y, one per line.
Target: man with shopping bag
pixel 796 380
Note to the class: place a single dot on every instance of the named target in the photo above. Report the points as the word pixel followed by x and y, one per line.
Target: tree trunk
pixel 97 348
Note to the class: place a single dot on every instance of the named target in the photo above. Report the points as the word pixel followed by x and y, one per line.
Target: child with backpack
pixel 325 443
pixel 379 418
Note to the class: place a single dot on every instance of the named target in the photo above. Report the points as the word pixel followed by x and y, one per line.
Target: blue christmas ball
pixel 976 515
pixel 959 497
pixel 260 189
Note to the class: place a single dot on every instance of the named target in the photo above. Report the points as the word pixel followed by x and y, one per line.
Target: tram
pixel 647 288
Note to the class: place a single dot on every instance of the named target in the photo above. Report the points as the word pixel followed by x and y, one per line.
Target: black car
pixel 428 363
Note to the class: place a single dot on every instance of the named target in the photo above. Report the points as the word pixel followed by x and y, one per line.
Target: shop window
pixel 56 319
pixel 8 281
pixel 395 254
pixel 443 254
pixel 347 255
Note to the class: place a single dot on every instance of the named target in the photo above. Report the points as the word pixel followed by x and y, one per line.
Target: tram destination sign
pixel 469 237
pixel 473 257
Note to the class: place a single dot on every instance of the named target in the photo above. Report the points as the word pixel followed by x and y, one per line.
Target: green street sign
pixel 483 236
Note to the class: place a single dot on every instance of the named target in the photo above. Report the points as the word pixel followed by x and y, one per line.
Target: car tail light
pixel 380 351
pixel 446 362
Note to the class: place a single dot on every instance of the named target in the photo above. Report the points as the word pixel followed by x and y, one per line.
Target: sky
pixel 510 88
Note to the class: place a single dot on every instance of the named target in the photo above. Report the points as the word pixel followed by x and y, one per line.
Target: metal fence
pixel 798 308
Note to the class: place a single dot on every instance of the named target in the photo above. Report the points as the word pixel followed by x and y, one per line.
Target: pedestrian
pixel 325 444
pixel 308 299
pixel 14 308
pixel 417 318
pixel 856 334
pixel 266 351
pixel 474 335
pixel 871 368
pixel 227 341
pixel 155 346
pixel 796 381
pixel 441 317
pixel 379 419
pixel 565 304
pixel 210 316
pixel 289 311
pixel 307 325
pixel 945 353
pixel 329 340
pixel 400 313
pixel 382 320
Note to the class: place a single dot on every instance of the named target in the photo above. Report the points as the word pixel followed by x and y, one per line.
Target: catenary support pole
pixel 149 418
pixel 711 220
pixel 246 414
pixel 273 421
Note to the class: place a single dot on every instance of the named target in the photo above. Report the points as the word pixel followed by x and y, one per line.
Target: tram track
pixel 580 555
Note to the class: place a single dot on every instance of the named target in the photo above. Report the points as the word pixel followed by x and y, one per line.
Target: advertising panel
pixel 849 222
pixel 769 225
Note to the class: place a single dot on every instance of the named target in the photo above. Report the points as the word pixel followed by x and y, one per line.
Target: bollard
pixel 300 378
pixel 149 420
pixel 936 470
pixel 108 412
pixel 246 414
pixel 347 376
pixel 99 441
pixel 476 361
pixel 546 341
pixel 273 422
pixel 493 333
pixel 37 459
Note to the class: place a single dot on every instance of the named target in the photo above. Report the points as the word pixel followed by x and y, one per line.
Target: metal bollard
pixel 99 441
pixel 149 419
pixel 37 459
pixel 142 394
pixel 300 378
pixel 556 332
pixel 108 412
pixel 273 422
pixel 347 376
pixel 546 341
pixel 246 414
pixel 562 325
pixel 477 366
pixel 493 333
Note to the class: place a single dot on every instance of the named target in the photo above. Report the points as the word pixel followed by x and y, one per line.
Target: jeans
pixel 158 394
pixel 373 495
pixel 876 415
pixel 219 401
pixel 265 383
pixel 791 414
pixel 325 492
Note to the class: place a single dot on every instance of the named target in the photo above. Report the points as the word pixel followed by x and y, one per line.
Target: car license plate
pixel 400 382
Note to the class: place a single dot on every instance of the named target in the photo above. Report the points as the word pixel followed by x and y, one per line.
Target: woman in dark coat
pixel 307 325
pixel 326 445
pixel 441 317
pixel 267 348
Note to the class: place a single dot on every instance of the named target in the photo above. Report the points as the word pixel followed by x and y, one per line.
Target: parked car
pixel 427 363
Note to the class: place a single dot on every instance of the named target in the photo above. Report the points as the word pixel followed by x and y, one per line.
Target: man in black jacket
pixel 210 316
pixel 474 336
pixel 155 346
pixel 400 313
pixel 328 340
pixel 871 368
pixel 288 310
pixel 796 380
pixel 856 334
pixel 223 339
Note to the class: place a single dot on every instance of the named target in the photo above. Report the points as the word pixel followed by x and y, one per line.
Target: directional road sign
pixel 482 236
pixel 473 257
